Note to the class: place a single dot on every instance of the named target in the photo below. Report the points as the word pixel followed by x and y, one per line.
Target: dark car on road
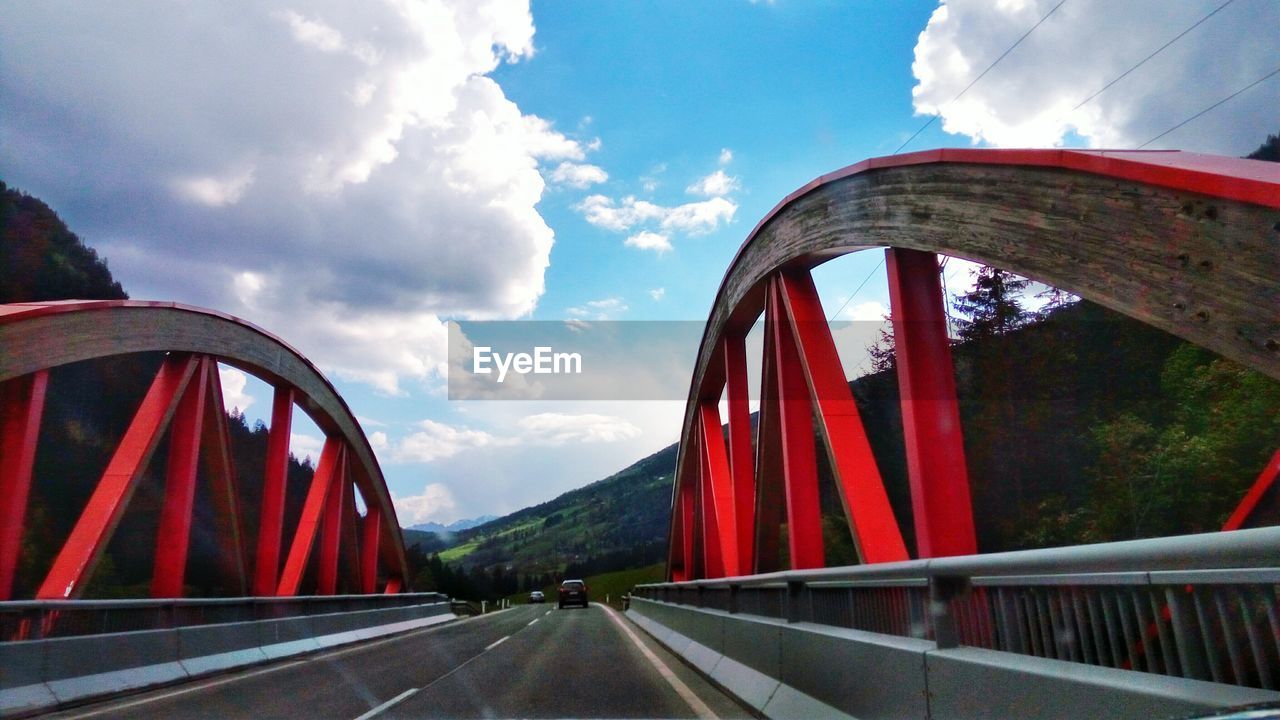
pixel 573 592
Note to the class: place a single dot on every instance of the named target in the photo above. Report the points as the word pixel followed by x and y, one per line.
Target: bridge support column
pixel 939 478
pixel 21 406
pixel 718 500
pixel 372 527
pixel 271 520
pixel 741 452
pixel 173 535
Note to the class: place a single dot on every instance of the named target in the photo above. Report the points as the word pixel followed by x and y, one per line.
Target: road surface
pixel 529 661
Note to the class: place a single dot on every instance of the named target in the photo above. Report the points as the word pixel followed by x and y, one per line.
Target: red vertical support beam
pixel 331 530
pixel 21 406
pixel 369 550
pixel 312 512
pixel 1249 503
pixel 687 510
pixel 719 482
pixel 83 548
pixel 675 545
pixel 770 496
pixel 799 461
pixel 866 504
pixel 215 447
pixel 271 519
pixel 351 532
pixel 741 466
pixel 936 467
pixel 713 550
pixel 173 534
pixel 394 584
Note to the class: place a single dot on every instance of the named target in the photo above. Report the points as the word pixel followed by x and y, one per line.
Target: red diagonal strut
pixel 331 529
pixel 719 487
pixel 936 468
pixel 866 504
pixel 1266 479
pixel 21 406
pixel 215 448
pixel 173 534
pixel 271 519
pixel 331 458
pixel 83 548
pixel 799 461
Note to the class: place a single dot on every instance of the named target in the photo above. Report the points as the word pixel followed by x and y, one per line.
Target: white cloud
pixel 578 175
pixel 435 441
pixel 233 394
pixel 726 156
pixel 657 294
pixel 870 311
pixel 378 440
pixel 1028 99
pixel 304 446
pixel 603 309
pixel 434 504
pixel 694 218
pixel 646 240
pixel 714 185
pixel 563 429
pixel 340 176
pixel 214 192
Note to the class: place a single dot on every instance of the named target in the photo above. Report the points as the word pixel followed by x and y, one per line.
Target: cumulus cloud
pixel 714 185
pixel 726 156
pixel 233 394
pixel 646 240
pixel 342 176
pixel 658 293
pixel 435 440
pixel 578 175
pixel 434 504
pixel 306 446
pixel 1029 99
pixel 694 218
pixel 563 429
pixel 872 311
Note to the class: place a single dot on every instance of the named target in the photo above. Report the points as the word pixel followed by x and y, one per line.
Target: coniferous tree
pixel 992 307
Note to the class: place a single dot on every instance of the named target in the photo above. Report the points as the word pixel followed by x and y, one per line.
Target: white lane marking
pixel 309 658
pixel 386 705
pixel 184 691
pixel 532 622
pixel 695 703
pixel 495 643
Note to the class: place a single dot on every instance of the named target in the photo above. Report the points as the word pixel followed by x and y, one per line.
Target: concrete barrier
pixel 40 675
pixel 804 670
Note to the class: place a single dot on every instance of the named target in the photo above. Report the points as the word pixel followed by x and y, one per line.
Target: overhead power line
pixel 1250 86
pixel 1157 51
pixel 981 75
pixel 865 280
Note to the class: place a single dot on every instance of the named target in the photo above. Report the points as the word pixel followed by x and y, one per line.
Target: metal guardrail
pixel 37 619
pixel 1204 607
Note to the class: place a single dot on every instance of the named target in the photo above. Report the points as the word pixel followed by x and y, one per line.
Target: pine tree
pixel 992 307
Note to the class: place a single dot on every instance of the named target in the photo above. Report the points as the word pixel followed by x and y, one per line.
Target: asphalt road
pixel 529 661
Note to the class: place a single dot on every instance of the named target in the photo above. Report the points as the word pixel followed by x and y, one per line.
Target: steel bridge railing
pixel 1204 607
pixel 37 619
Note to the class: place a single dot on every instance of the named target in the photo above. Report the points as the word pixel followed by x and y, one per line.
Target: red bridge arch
pixel 186 397
pixel 1187 243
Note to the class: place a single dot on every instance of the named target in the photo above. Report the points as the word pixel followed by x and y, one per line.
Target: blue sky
pixel 350 177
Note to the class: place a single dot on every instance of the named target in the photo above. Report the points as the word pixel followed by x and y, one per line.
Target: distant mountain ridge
pixel 455 526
